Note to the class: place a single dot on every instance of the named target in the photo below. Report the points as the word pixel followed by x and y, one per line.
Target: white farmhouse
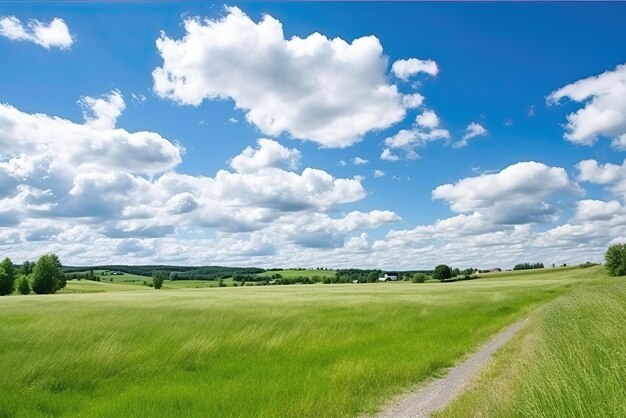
pixel 391 276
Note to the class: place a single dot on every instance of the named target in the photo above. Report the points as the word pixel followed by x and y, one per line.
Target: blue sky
pixel 138 152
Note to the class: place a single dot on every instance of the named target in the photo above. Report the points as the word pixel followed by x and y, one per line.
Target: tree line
pixel 528 266
pixel 45 276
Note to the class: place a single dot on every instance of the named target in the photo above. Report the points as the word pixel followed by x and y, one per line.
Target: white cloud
pixel 29 142
pixel 604 110
pixel 472 130
pixel 404 69
pixel 425 129
pixel 594 210
pixel 516 195
pixel 233 120
pixel 412 101
pixel 379 173
pixel 343 163
pixel 387 155
pixel 69 186
pixel 427 119
pixel 102 113
pixel 50 35
pixel 268 154
pixel 359 161
pixel 282 85
pixel 611 175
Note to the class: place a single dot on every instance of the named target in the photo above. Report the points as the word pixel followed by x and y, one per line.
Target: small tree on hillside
pixel 48 275
pixel 158 277
pixel 23 286
pixel 615 258
pixel 7 277
pixel 442 272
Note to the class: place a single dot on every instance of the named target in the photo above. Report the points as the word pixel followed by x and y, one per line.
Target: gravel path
pixel 439 393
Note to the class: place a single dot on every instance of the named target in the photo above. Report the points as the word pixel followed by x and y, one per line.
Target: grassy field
pixel 292 274
pixel 271 351
pixel 573 362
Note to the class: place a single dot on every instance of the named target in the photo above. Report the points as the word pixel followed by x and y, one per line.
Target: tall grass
pixel 571 362
pixel 282 351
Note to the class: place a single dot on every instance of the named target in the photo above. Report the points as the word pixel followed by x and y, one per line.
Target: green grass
pixel 569 362
pixel 261 351
pixel 292 274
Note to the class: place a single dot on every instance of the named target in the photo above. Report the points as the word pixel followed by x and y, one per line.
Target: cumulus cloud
pixel 54 34
pixel 604 110
pixel 379 173
pixel 268 154
pixel 404 69
pixel 516 195
pixel 425 129
pixel 29 142
pixel 594 210
pixel 387 155
pixel 359 161
pixel 66 187
pixel 102 112
pixel 317 230
pixel 325 90
pixel 609 174
pixel 472 130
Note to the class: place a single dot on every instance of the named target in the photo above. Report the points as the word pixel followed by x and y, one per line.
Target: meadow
pixel 569 362
pixel 270 351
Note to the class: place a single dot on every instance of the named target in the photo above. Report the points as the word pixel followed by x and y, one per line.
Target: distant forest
pixel 173 272
pixel 221 272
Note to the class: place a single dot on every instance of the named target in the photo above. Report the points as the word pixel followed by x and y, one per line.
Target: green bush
pixel 7 277
pixel 442 272
pixel 419 278
pixel 616 259
pixel 23 285
pixel 158 277
pixel 48 275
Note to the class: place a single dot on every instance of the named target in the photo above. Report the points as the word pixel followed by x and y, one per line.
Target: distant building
pixel 355 281
pixel 391 276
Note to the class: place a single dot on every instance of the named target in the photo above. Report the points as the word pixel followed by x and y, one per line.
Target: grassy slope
pixel 332 350
pixel 573 362
pixel 299 273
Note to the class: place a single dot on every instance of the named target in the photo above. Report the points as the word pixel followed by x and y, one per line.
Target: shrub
pixel 442 272
pixel 158 277
pixel 419 278
pixel 616 259
pixel 23 285
pixel 221 283
pixel 48 275
pixel 7 277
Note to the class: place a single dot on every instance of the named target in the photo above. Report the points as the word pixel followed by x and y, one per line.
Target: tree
pixel 615 258
pixel 23 286
pixel 27 268
pixel 419 278
pixel 442 272
pixel 48 275
pixel 7 277
pixel 61 279
pixel 158 277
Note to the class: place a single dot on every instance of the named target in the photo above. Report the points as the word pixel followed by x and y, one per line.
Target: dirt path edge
pixel 438 393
